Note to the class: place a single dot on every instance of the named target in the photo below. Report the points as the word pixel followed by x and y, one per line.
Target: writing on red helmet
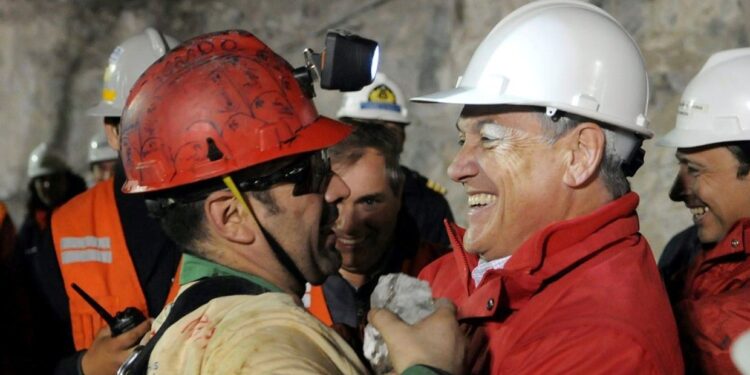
pixel 217 104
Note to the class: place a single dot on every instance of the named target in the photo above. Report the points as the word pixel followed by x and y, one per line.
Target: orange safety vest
pixel 316 304
pixel 315 301
pixel 92 252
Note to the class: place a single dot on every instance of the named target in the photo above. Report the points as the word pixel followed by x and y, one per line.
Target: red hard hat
pixel 216 104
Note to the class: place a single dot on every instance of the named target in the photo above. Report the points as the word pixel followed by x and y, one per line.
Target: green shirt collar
pixel 194 268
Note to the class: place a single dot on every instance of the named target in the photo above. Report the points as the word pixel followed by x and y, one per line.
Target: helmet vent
pixel 214 153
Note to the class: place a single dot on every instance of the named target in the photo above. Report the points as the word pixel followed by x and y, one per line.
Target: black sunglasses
pixel 310 175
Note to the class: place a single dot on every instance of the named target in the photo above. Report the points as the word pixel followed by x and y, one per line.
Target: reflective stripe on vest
pixel 315 302
pixel 92 252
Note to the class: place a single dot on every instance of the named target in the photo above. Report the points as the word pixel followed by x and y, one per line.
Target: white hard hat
pixel 741 353
pixel 382 100
pixel 126 63
pixel 43 161
pixel 563 55
pixel 715 106
pixel 99 149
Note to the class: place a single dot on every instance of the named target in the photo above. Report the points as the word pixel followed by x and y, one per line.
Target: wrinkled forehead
pixel 474 118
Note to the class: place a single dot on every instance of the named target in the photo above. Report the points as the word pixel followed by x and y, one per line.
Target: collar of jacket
pixel 547 255
pixel 733 243
pixel 195 268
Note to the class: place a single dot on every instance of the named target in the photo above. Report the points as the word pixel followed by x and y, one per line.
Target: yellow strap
pixel 237 193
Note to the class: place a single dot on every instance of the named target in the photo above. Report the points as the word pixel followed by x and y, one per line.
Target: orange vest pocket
pixel 86 322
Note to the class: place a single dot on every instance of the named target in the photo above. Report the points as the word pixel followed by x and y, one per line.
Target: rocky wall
pixel 54 51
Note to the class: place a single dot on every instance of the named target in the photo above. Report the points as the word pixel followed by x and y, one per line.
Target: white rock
pixel 405 296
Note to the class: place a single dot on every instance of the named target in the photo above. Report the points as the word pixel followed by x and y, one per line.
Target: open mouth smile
pixel 698 212
pixel 481 200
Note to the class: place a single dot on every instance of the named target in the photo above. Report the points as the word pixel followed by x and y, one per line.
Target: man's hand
pixel 107 353
pixel 435 341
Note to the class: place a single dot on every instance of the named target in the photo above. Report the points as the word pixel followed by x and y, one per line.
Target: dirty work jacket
pixel 714 307
pixel 270 333
pixel 581 296
pixel 91 251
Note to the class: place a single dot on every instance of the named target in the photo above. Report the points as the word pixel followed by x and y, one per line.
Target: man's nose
pixel 336 190
pixel 678 192
pixel 463 166
pixel 345 223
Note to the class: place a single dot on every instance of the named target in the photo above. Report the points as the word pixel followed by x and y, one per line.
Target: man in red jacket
pixel 709 279
pixel 551 276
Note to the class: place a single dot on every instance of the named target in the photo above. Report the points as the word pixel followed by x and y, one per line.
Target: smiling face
pixel 707 183
pixel 367 218
pixel 513 178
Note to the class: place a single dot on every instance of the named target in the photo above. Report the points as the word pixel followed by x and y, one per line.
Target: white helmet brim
pixel 682 138
pixel 104 109
pixel 477 96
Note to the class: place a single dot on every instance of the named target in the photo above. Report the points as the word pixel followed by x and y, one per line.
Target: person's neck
pixel 570 205
pixel 356 280
pixel 359 279
pixel 587 200
pixel 277 275
pixel 289 284
pixel 260 264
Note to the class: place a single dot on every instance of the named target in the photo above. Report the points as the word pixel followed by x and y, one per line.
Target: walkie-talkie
pixel 123 321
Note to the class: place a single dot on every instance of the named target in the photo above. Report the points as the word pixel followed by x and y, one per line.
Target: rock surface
pixel 54 53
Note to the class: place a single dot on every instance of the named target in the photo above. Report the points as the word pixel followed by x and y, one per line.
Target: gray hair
pixel 610 169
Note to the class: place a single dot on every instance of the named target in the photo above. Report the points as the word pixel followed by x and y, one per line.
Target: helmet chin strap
pixel 281 255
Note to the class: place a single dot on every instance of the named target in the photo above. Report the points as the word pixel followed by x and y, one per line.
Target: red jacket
pixel 582 296
pixel 714 307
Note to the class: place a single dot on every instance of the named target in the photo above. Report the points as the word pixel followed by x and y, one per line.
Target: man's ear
pixel 585 147
pixel 113 136
pixel 228 218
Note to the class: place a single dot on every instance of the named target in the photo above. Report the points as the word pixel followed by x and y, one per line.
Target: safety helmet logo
pixel 686 108
pixel 126 63
pixel 109 93
pixel 381 97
